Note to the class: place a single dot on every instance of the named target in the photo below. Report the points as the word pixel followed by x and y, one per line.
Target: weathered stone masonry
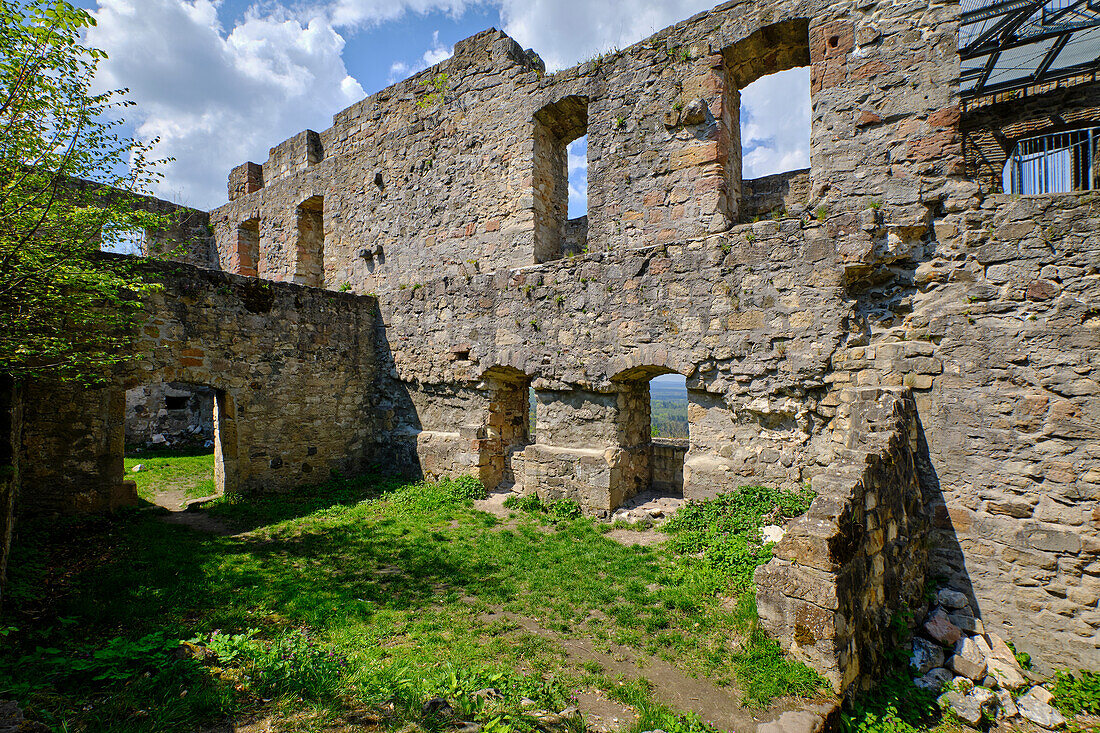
pixel 922 351
pixel 292 369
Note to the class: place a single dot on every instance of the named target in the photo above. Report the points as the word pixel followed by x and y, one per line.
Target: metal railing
pixel 1058 162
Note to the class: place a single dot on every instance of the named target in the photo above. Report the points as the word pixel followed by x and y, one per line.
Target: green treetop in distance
pixel 67 179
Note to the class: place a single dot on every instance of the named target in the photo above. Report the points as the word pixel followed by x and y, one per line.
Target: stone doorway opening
pixel 511 428
pixel 178 443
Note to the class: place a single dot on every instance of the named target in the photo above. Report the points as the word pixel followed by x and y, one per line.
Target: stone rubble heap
pixel 983 679
pixel 649 506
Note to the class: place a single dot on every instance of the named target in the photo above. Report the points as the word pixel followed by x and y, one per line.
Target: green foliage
pixel 821 213
pixel 653 715
pixel 64 311
pixel 439 85
pixel 725 531
pixel 292 663
pixel 367 590
pixel 1022 658
pixel 668 418
pixel 560 510
pixel 896 705
pixel 118 660
pixel 188 472
pixel 1077 692
pixel 766 673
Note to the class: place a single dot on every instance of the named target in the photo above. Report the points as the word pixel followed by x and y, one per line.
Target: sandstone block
pixel 968 659
pixel 1003 665
pixel 927 655
pixel 939 627
pixel 952 599
pixel 934 679
pixel 1035 708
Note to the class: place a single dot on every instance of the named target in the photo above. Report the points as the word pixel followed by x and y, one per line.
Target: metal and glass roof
pixel 1013 44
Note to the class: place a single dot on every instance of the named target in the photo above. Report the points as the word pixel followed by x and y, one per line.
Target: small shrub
pixel 1077 692
pixel 725 531
pixel 560 510
pixel 896 705
pixel 293 663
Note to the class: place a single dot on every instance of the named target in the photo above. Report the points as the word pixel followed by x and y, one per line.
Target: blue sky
pixel 221 81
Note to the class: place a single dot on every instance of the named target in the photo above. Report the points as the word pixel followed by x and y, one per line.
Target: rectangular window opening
pixel 248 249
pixel 560 179
pixel 309 255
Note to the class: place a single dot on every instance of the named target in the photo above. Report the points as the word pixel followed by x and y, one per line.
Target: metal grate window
pixel 1055 163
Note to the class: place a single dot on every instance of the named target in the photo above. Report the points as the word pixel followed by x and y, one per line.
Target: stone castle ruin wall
pixel 923 351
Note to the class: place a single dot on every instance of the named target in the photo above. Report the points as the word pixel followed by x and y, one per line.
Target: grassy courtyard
pixel 171 477
pixel 355 603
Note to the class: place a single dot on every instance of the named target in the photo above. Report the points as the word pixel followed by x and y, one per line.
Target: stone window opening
pixel 768 88
pixel 556 127
pixel 574 238
pixel 176 402
pixel 247 251
pixel 310 250
pixel 192 421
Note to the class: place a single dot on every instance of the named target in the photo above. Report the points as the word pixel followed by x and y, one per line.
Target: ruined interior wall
pixel 990 317
pixel 860 553
pixel 296 364
pixel 149 419
pixel 751 318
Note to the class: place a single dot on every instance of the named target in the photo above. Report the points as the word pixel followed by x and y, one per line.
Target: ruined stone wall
pixel 169 414
pixel 860 554
pixel 666 467
pixel 892 272
pixel 442 174
pixel 751 318
pixel 293 373
pixel 186 237
pixel 990 316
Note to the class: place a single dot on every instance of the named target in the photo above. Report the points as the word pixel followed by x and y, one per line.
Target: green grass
pixel 366 592
pixel 189 474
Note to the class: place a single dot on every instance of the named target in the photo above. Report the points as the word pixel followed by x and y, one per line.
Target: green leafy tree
pixel 67 180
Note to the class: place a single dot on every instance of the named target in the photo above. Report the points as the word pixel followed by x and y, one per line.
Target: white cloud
pixel 775 123
pixel 400 70
pixel 577 154
pixel 216 99
pixel 368 13
pixel 565 32
pixel 219 96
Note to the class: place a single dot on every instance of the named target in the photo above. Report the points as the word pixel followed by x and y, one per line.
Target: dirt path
pixel 718 706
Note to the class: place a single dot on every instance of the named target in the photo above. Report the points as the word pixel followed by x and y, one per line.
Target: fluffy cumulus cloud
pixel 775 123
pixel 438 52
pixel 217 96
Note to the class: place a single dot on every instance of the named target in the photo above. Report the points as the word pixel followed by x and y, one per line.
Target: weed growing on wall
pixel 1077 692
pixel 725 532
